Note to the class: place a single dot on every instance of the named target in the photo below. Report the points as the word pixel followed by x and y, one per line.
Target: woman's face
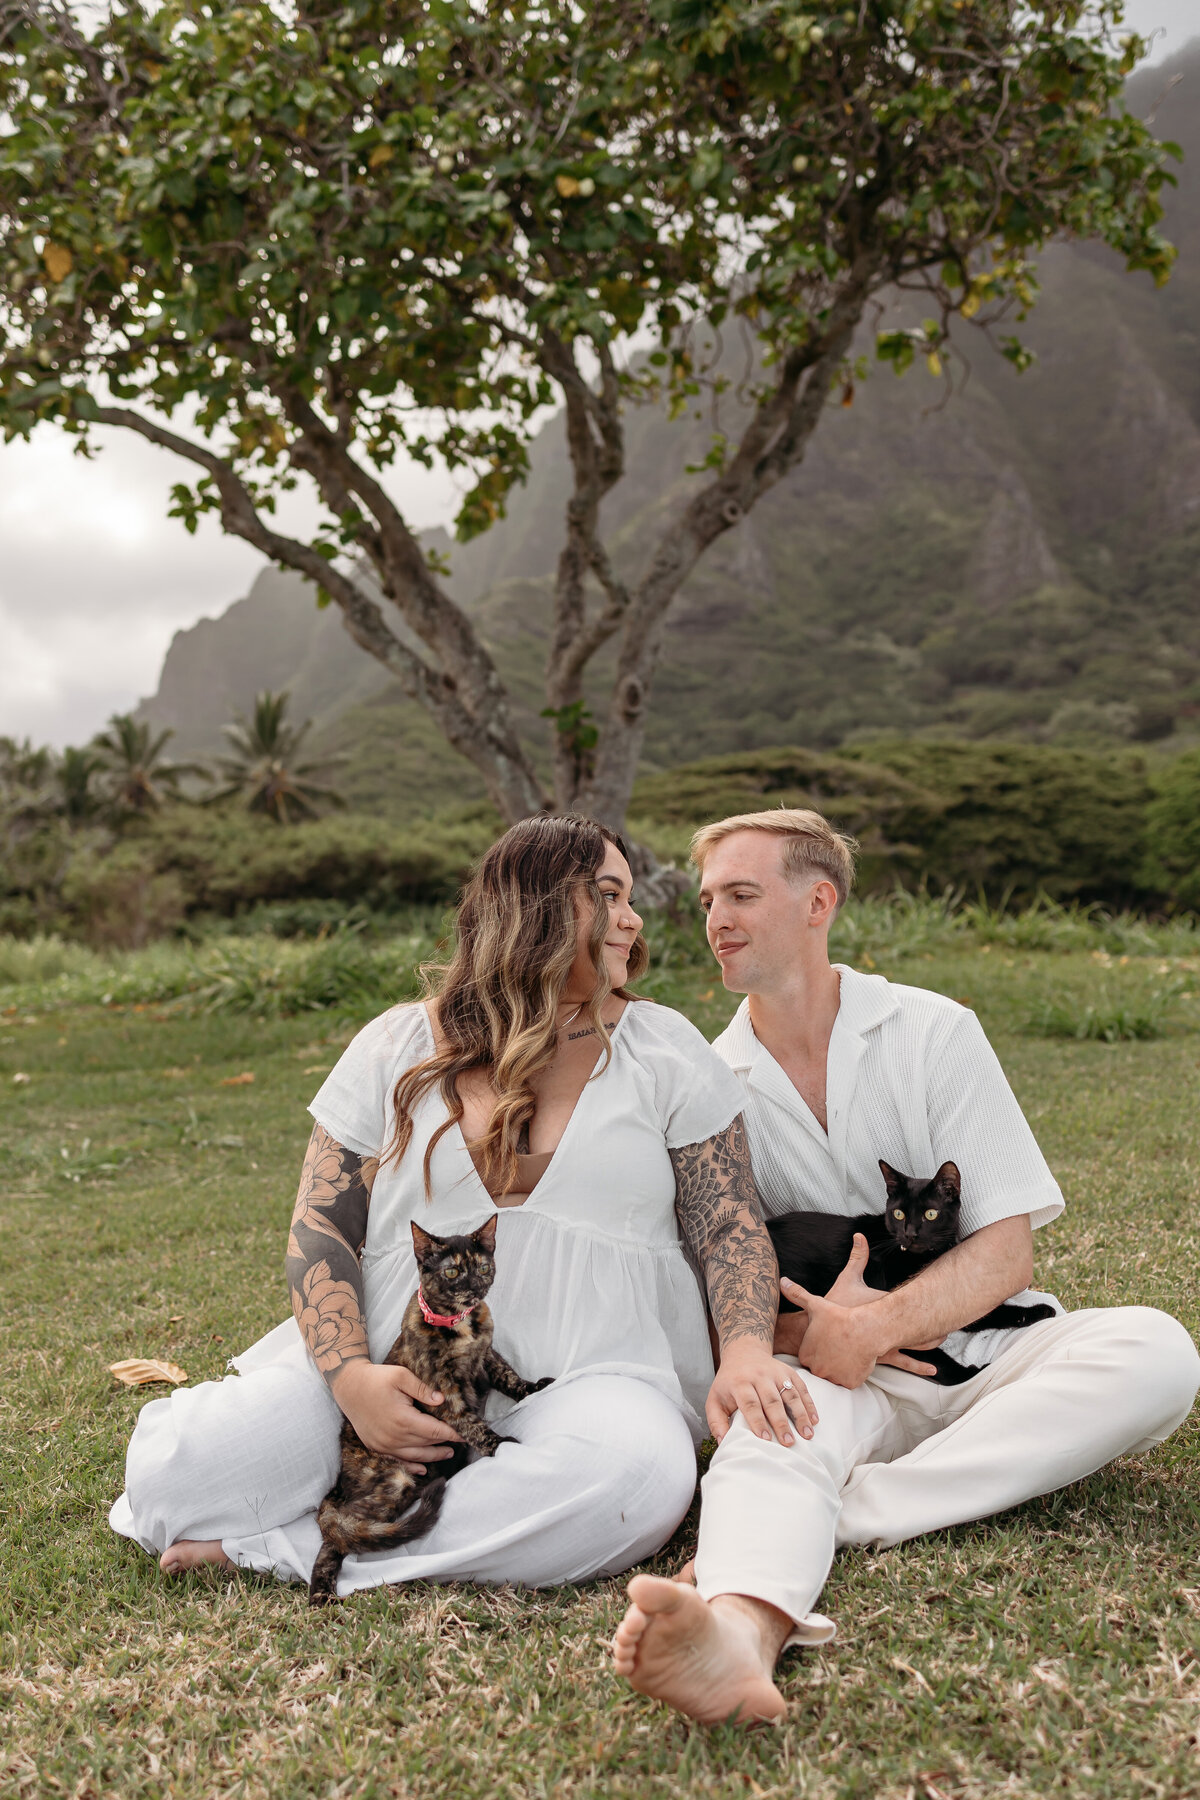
pixel 615 882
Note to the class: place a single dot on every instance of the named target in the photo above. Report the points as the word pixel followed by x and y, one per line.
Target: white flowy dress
pixel 592 1287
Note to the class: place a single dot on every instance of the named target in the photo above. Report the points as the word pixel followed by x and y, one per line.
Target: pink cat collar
pixel 432 1318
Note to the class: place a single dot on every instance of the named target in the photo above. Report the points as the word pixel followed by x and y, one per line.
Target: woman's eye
pixel 897 1214
pixel 931 1213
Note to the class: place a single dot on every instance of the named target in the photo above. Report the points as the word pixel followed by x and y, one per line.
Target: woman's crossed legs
pixel 603 1473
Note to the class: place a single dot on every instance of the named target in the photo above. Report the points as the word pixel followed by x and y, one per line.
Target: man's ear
pixel 948 1181
pixel 896 1184
pixel 485 1237
pixel 424 1242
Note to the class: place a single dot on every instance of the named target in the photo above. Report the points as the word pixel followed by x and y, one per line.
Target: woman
pixel 602 1127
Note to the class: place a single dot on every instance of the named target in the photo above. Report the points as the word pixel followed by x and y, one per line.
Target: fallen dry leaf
pixel 242 1080
pixel 316 1069
pixel 58 261
pixel 21 1077
pixel 141 1371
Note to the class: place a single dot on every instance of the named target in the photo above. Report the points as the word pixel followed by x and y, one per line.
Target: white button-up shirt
pixel 910 1078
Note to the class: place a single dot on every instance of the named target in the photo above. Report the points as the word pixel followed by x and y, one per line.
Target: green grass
pixel 1051 1651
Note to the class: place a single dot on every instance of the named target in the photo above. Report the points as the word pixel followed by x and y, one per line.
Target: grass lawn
pixel 1054 1650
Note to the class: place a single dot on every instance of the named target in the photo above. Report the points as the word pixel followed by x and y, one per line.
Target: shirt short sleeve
pixel 975 1121
pixel 354 1102
pixel 696 1094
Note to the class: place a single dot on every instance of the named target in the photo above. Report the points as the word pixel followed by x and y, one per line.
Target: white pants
pixel 603 1474
pixel 902 1455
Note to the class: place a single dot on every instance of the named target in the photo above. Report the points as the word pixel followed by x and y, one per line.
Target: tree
pixel 331 234
pixel 137 778
pixel 263 767
pixel 74 774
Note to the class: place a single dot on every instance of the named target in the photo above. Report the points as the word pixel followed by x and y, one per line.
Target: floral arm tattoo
pixel 324 1267
pixel 716 1202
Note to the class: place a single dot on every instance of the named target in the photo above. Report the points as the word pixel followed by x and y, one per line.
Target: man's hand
pixel 842 1340
pixel 764 1391
pixel 378 1401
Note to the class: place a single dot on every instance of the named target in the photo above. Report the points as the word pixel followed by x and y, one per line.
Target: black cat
pixel 919 1224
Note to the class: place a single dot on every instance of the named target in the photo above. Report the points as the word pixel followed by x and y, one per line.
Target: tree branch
pixel 485 737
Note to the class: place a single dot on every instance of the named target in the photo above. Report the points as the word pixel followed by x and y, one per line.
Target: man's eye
pixel 897 1214
pixel 931 1213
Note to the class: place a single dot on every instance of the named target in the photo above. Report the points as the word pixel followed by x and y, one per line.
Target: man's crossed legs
pixel 889 1460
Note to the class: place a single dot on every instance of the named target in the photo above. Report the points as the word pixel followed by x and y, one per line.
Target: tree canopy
pixel 296 246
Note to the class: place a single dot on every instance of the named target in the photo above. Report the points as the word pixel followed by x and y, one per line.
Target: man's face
pixel 759 922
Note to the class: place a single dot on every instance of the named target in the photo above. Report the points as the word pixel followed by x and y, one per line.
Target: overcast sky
pixel 95 579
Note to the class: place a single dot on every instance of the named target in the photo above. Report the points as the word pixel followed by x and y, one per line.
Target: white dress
pixel 592 1287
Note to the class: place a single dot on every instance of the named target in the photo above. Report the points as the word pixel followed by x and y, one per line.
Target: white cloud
pixel 95 579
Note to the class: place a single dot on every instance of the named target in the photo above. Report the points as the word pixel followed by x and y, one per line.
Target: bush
pixel 878 806
pixel 1019 820
pixel 1004 821
pixel 1110 1019
pixel 120 900
pixel 1173 831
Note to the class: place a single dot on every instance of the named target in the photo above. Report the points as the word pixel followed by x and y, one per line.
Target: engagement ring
pixel 786 1388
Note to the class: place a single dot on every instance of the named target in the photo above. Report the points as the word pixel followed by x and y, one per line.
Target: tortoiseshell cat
pixel 919 1224
pixel 446 1340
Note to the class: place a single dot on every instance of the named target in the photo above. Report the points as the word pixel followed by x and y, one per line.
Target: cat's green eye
pixel 931 1213
pixel 897 1213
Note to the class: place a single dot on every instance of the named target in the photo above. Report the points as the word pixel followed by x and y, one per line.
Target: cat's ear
pixel 485 1237
pixel 896 1184
pixel 424 1243
pixel 948 1182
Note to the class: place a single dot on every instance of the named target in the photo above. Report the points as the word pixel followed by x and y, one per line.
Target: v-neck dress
pixel 591 1275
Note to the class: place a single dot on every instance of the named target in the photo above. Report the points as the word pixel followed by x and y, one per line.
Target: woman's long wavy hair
pixel 497 998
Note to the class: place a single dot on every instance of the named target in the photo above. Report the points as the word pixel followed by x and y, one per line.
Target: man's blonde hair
pixel 811 846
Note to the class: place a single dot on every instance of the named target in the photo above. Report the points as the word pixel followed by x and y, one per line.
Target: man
pixel 841 1069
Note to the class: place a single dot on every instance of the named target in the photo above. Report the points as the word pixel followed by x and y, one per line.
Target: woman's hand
pixel 764 1391
pixel 378 1401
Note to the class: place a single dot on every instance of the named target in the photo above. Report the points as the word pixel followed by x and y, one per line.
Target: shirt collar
pixel 865 1002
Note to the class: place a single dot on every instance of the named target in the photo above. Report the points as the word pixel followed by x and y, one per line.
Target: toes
pixel 651 1594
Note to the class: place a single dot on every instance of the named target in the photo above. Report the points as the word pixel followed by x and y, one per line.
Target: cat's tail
pixel 337 1539
pixel 322 1585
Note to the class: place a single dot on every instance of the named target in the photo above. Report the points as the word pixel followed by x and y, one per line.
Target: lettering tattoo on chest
pixel 721 1220
pixel 324 1271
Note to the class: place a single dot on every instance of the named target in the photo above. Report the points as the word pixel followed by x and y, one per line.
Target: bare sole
pixel 704 1659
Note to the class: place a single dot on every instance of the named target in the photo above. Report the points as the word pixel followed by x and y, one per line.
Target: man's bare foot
pixel 708 1659
pixel 192 1553
pixel 687 1575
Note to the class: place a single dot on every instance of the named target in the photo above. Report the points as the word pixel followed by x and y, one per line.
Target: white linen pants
pixel 603 1473
pixel 902 1455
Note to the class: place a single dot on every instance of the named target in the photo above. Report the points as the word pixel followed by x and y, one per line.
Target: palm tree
pixel 263 769
pixel 139 778
pixel 77 799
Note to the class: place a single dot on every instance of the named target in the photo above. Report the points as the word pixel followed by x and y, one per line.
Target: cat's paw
pixel 535 1387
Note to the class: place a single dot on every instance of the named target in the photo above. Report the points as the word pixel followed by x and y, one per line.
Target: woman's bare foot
pixel 192 1553
pixel 687 1574
pixel 709 1659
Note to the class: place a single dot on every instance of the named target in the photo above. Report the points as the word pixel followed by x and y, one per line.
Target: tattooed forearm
pixel 324 1272
pixel 721 1221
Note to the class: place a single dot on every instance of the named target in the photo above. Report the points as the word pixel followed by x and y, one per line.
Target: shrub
pixel 1018 820
pixel 120 900
pixel 880 807
pixel 228 862
pixel 1173 830
pixel 1109 1019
